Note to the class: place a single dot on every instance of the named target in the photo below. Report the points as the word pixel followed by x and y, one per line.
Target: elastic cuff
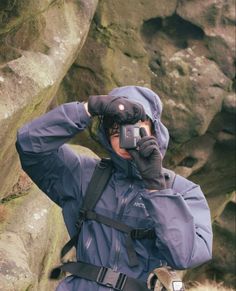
pixel 156 185
pixel 84 118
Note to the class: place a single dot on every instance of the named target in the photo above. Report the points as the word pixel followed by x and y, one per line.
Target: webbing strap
pixel 69 245
pixel 133 260
pixel 97 184
pixel 102 276
pixel 108 221
pixel 102 174
pixel 131 233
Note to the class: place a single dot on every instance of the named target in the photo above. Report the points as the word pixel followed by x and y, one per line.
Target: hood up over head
pixel 153 108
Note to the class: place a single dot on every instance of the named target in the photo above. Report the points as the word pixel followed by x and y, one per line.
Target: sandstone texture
pixel 30 242
pixel 39 40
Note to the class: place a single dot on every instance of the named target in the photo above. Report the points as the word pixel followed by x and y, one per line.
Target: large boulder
pixel 32 233
pixel 30 242
pixel 39 40
pixel 217 19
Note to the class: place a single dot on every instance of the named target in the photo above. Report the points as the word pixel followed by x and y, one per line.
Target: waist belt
pixel 101 275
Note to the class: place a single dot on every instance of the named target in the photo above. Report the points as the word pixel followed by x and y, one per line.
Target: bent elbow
pixel 193 260
pixel 198 259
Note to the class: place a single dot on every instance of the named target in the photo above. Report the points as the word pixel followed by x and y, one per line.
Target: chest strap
pixel 102 174
pixel 101 275
pixel 95 188
pixel 131 233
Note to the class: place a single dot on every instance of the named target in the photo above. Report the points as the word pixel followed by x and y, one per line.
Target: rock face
pixel 32 233
pixel 30 242
pixel 184 50
pixel 39 40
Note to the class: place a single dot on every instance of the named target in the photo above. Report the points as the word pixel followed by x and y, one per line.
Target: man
pixel 137 193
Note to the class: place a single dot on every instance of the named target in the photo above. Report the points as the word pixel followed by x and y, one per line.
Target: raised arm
pixel 43 155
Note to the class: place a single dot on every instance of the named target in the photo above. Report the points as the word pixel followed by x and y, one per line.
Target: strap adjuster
pixel 108 278
pixel 82 217
pixel 142 233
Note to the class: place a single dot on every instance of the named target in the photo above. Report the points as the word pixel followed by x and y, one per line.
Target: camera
pixel 129 136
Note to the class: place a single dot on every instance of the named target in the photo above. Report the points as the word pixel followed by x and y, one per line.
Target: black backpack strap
pixel 131 233
pixel 97 183
pixel 102 276
pixel 102 173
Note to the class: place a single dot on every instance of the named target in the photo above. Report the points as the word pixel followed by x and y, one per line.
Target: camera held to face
pixel 129 135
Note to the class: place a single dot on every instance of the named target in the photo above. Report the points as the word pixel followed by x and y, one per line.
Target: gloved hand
pixel 120 108
pixel 148 159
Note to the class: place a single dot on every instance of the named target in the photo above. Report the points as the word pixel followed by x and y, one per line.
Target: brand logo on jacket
pixel 140 205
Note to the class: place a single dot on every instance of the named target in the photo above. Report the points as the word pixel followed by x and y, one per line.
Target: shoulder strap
pixel 97 184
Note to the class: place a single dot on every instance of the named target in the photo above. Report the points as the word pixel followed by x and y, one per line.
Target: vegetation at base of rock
pixel 207 286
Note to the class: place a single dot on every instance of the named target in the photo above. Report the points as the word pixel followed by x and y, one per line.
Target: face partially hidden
pixel 115 140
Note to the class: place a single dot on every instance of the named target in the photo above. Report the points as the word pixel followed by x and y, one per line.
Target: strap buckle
pixel 108 278
pixel 104 163
pixel 142 233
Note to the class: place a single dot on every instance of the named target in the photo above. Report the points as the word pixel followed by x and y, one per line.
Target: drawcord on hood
pixel 153 108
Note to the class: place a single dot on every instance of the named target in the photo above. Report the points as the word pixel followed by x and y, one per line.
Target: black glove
pixel 120 108
pixel 148 159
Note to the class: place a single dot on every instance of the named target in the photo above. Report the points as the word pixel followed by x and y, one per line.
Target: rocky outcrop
pixel 39 40
pixel 30 242
pixel 32 233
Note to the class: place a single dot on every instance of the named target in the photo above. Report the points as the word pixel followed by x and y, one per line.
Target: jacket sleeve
pixel 182 223
pixel 45 158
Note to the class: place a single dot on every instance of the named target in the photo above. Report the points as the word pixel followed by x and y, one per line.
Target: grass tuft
pixel 209 286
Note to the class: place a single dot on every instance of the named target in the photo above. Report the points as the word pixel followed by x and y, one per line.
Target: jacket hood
pixel 153 108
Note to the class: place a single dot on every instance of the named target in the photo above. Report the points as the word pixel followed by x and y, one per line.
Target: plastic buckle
pixel 141 233
pixel 103 163
pixel 135 233
pixel 108 278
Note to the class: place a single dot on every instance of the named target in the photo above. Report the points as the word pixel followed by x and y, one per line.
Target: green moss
pixel 34 108
pixel 212 14
pixel 11 207
pixel 30 287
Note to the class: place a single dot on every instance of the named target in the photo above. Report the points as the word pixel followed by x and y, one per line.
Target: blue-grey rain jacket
pixel 180 215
